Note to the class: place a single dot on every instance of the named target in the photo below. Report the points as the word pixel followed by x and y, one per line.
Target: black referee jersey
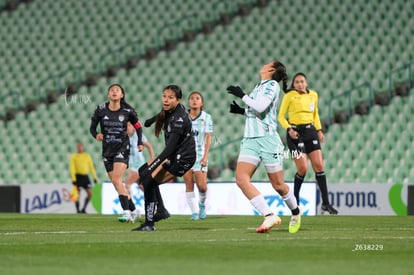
pixel 114 128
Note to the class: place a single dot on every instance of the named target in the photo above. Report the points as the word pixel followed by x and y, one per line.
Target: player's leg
pixel 317 165
pixel 201 181
pixel 189 194
pixel 272 156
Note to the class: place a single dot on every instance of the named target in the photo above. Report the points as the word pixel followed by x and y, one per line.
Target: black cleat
pixel 161 215
pixel 145 227
pixel 330 209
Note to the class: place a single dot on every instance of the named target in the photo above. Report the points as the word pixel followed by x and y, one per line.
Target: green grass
pixel 97 244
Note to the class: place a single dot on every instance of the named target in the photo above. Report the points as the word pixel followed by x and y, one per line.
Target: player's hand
pixel 293 133
pixel 321 136
pixel 140 148
pixel 95 181
pixel 99 137
pixel 149 121
pixel 236 91
pixel 236 109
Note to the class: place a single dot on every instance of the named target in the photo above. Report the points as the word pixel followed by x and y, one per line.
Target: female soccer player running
pixel 175 160
pixel 202 129
pixel 261 143
pixel 113 117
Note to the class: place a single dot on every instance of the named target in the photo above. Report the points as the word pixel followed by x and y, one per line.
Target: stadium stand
pixel 340 46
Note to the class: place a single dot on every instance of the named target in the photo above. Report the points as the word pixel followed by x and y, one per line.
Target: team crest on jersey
pixel 121 118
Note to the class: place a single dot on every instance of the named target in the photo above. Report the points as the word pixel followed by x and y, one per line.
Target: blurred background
pixel 58 58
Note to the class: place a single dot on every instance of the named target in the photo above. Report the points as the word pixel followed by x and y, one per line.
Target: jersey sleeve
pixel 316 119
pixel 133 118
pixel 281 117
pixel 72 168
pixel 94 122
pixel 209 124
pixel 269 93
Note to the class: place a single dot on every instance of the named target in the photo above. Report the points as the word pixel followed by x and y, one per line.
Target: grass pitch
pixel 99 244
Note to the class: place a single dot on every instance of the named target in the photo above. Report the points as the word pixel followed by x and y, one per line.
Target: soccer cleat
pixel 202 212
pixel 135 215
pixel 295 222
pixel 126 218
pixel 145 227
pixel 269 221
pixel 194 216
pixel 161 215
pixel 328 208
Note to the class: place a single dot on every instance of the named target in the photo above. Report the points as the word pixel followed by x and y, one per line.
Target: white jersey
pixel 201 125
pixel 264 123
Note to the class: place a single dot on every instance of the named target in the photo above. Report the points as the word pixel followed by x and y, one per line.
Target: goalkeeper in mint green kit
pixel 261 143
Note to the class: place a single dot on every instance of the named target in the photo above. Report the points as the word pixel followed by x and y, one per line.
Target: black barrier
pixel 10 199
pixel 410 200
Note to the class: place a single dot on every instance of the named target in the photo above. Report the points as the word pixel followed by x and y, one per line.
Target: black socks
pixel 321 180
pixel 297 184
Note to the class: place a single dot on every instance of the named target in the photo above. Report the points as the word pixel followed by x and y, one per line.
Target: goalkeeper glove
pixel 235 90
pixel 236 109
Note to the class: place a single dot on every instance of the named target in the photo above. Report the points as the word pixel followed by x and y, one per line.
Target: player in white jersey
pixel 202 125
pixel 136 160
pixel 261 143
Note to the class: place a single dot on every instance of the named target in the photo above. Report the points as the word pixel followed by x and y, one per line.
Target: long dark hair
pixel 280 74
pixel 292 87
pixel 124 104
pixel 160 117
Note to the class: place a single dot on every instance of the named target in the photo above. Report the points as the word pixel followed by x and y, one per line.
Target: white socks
pixel 261 205
pixel 203 197
pixel 191 201
pixel 290 200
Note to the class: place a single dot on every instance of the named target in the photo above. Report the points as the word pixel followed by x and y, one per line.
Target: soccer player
pixel 261 143
pixel 202 129
pixel 80 166
pixel 304 134
pixel 113 117
pixel 177 157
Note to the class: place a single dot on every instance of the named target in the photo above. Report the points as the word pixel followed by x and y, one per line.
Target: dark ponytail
pixel 280 74
pixel 160 117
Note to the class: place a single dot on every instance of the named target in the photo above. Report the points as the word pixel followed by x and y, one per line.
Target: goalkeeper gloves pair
pixel 234 107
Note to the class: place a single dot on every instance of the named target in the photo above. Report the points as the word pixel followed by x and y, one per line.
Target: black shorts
pixel 308 140
pixel 120 156
pixel 83 181
pixel 178 167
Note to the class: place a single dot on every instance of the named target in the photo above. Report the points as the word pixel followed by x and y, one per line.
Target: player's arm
pixel 138 128
pixel 281 117
pixel 94 123
pixel 317 122
pixel 147 169
pixel 92 169
pixel 150 121
pixel 316 119
pixel 150 149
pixel 259 104
pixel 72 169
pixel 206 148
